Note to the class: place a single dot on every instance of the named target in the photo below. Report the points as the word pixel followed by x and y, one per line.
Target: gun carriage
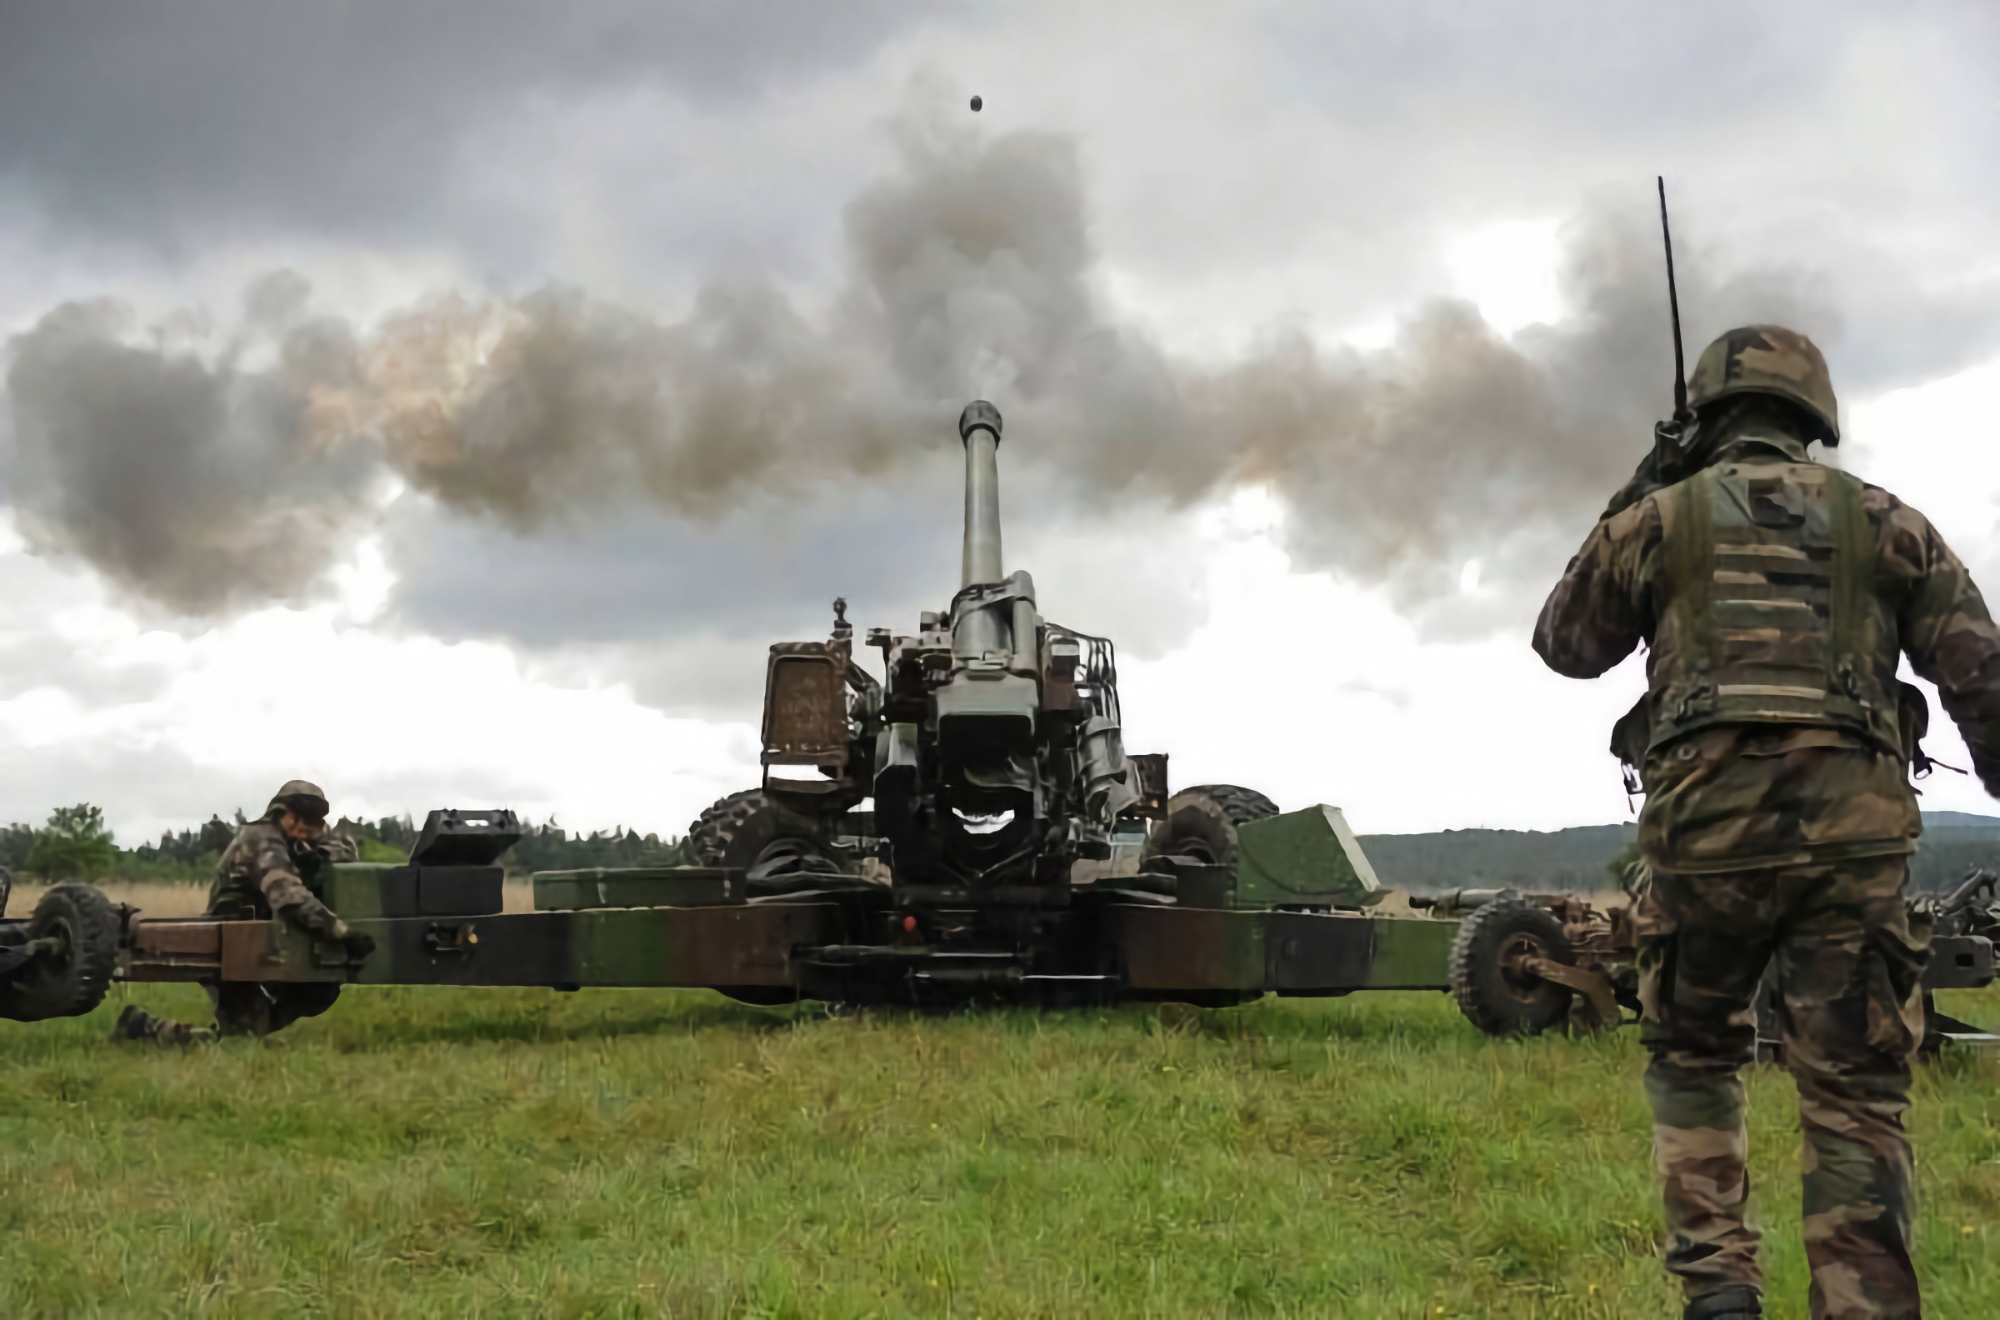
pixel 968 826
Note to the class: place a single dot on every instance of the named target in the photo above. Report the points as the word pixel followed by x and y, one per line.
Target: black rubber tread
pixel 1234 804
pixel 1476 981
pixel 75 983
pixel 735 830
pixel 1238 803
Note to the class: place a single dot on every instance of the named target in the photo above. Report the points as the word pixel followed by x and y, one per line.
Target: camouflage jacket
pixel 264 870
pixel 1739 796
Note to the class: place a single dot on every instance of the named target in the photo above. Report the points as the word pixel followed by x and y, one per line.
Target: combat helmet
pixel 300 792
pixel 1767 359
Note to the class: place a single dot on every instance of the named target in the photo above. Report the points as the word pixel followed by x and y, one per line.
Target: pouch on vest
pixel 1770 612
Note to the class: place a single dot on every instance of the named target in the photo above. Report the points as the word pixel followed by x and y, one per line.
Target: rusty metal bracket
pixel 1600 1005
pixel 451 939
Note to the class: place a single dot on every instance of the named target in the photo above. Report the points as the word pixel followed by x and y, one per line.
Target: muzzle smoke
pixel 210 474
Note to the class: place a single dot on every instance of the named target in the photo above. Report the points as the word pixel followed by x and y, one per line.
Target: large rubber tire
pixel 1201 823
pixel 72 982
pixel 1495 997
pixel 748 827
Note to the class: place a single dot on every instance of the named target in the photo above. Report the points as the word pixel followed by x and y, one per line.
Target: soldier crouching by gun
pixel 271 869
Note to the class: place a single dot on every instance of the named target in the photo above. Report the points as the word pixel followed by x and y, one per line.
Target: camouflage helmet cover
pixel 1767 359
pixel 303 794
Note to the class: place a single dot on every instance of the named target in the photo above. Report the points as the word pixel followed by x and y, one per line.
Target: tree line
pixel 1592 858
pixel 76 844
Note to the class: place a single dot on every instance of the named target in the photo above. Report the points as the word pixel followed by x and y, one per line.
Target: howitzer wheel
pixel 1490 977
pixel 70 977
pixel 1201 823
pixel 775 843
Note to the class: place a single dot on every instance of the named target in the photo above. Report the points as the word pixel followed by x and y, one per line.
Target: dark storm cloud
pixel 208 483
pixel 150 121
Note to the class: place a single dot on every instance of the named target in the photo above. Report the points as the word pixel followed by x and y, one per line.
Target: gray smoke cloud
pixel 206 481
pixel 195 480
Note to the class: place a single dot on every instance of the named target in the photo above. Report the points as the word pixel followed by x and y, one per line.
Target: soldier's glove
pixel 358 946
pixel 313 917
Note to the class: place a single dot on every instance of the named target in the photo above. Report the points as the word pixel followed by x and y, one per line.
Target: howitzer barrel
pixel 1968 890
pixel 979 428
pixel 1456 902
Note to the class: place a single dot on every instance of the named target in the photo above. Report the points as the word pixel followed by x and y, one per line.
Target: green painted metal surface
pixel 1303 857
pixel 363 889
pixel 1167 949
pixel 366 889
pixel 631 887
pixel 1410 953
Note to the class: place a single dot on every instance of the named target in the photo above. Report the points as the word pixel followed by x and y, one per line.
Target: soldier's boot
pixel 136 1024
pixel 1736 1302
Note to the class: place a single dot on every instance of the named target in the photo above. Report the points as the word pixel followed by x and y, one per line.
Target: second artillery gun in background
pixel 1524 963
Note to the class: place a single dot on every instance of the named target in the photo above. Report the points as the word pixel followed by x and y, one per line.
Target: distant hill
pixel 1959 820
pixel 1572 859
pixel 1579 859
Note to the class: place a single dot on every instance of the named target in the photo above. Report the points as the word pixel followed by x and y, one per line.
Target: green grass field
pixel 429 1152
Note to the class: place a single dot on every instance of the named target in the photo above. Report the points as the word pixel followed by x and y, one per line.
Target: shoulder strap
pixel 1858 629
pixel 1690 552
pixel 1853 577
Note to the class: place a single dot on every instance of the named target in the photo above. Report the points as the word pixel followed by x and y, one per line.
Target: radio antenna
pixel 1674 306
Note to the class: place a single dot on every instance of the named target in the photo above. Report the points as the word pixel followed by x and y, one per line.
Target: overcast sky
pixel 449 403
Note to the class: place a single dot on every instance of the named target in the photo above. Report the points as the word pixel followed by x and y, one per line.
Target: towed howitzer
pixel 1014 840
pixel 992 748
pixel 966 827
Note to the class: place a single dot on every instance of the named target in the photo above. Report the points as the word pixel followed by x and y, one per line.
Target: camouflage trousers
pixel 255 1009
pixel 241 1009
pixel 1848 968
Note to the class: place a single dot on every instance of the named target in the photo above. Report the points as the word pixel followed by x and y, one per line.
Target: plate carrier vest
pixel 1769 605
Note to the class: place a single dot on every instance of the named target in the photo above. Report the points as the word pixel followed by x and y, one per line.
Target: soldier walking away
pixel 1774 596
pixel 271 868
